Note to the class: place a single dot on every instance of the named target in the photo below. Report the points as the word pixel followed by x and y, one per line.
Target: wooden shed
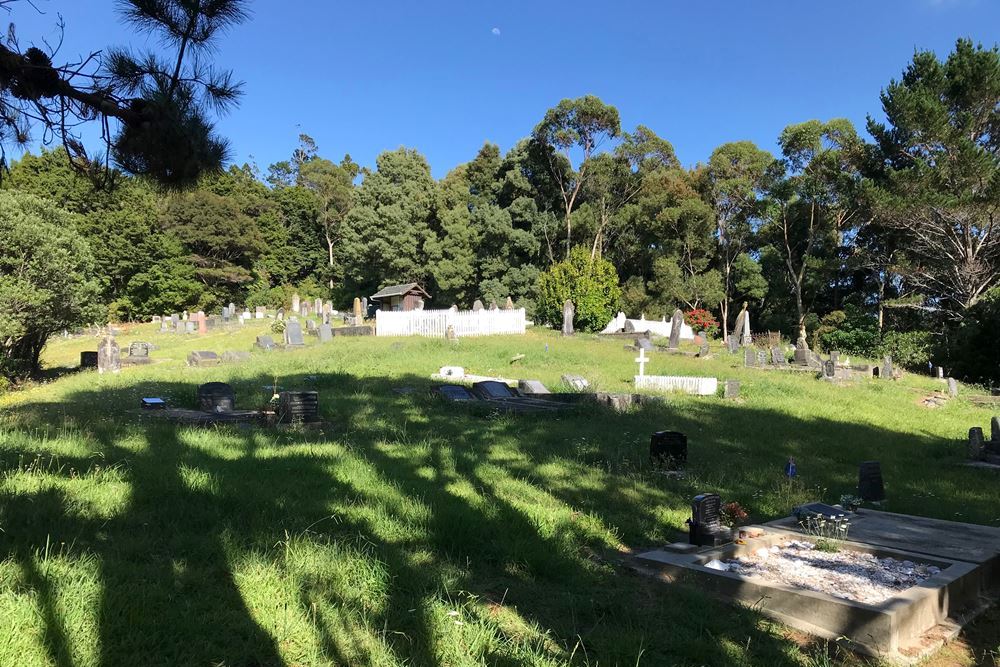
pixel 410 296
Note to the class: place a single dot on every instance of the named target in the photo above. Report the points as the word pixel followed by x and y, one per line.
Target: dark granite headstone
pixel 668 450
pixel 490 389
pixel 293 334
pixel 706 527
pixel 455 392
pixel 977 448
pixel 676 324
pixel 829 370
pixel 88 359
pixel 870 486
pixel 216 397
pixel 298 407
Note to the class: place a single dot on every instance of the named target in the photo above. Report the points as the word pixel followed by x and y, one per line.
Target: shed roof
pixel 399 290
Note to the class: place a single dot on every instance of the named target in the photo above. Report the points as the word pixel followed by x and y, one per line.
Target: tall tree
pixel 159 100
pixel 736 177
pixel 582 124
pixel 333 187
pixel 940 152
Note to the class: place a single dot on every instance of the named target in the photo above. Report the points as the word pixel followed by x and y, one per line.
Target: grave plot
pixel 898 587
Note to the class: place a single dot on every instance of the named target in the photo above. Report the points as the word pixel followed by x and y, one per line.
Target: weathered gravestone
pixel 870 485
pixel 139 349
pixel 259 312
pixel 265 343
pixel 749 357
pixel 704 351
pixel 109 356
pixel 886 372
pixel 293 334
pixel 190 327
pixel 359 317
pixel 232 357
pixel 477 305
pixel 977 447
pixel 88 359
pixel 365 330
pixel 296 302
pixel 576 382
pixel 532 387
pixel 568 312
pixel 216 397
pixel 732 389
pixel 644 343
pixel 325 332
pixel 494 306
pixel 180 326
pixel 676 324
pixel 802 349
pixel 829 370
pixel 778 357
pixel 450 334
pixel 952 387
pixel 835 357
pixel 761 358
pixel 202 322
pixel 311 326
pixel 317 306
pixel 509 305
pixel 280 315
pixel 203 358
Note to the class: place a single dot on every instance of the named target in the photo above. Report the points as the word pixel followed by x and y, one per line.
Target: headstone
pixel 180 326
pixel 977 448
pixel 280 315
pixel 364 306
pixel 509 305
pixel 184 316
pixel 226 314
pixel 358 315
pixel 325 332
pixel 88 359
pixel 940 372
pixel 870 486
pixel 265 343
pixel 704 351
pixel 493 305
pixel 298 407
pixel 190 327
pixel 232 309
pixel 676 324
pixel 202 322
pixel 310 325
pixel 259 312
pixel 732 389
pixel 706 529
pixel 829 370
pixel 749 357
pixel 450 334
pixel 296 302
pixel 576 382
pixel 365 330
pixel 668 450
pixel 952 387
pixel 492 389
pixel 886 372
pixel 477 306
pixel 995 430
pixel 328 307
pixel 835 357
pixel 732 345
pixel 644 343
pixel 201 358
pixel 737 334
pixel 568 312
pixel 455 392
pixel 778 356
pixel 761 358
pixel 532 387
pixel 232 357
pixel 216 397
pixel 109 356
pixel 317 306
pixel 293 334
pixel 138 349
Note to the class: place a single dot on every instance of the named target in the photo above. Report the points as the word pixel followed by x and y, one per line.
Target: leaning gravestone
pixel 704 351
pixel 265 343
pixel 109 356
pixel 325 333
pixel 532 387
pixel 293 334
pixel 568 312
pixel 576 382
pixel 952 387
pixel 644 343
pixel 870 485
pixel 676 323
pixel 738 328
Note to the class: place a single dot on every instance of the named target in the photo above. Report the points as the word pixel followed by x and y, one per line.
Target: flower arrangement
pixel 700 319
pixel 733 514
pixel 850 502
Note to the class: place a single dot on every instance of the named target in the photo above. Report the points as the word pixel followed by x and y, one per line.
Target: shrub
pixel 700 319
pixel 46 279
pixel 592 285
pixel 909 349
pixel 851 331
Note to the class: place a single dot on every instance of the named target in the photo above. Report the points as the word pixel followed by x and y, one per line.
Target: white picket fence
pixel 435 323
pixel 700 386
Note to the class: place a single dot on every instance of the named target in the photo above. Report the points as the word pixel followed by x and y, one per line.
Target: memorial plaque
pixel 298 407
pixel 455 392
pixel 491 389
pixel 216 397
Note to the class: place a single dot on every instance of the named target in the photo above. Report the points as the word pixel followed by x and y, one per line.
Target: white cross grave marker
pixel 641 360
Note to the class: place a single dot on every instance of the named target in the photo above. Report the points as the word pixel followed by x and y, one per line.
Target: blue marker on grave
pixel 790 468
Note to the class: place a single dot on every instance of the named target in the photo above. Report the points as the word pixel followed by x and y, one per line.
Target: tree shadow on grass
pixel 482 543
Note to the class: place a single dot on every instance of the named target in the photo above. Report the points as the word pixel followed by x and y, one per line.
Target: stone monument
pixel 568 311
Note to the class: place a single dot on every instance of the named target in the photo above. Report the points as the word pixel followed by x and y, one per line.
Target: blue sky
pixel 443 77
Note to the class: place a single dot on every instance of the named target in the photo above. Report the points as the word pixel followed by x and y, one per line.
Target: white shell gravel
pixel 850 575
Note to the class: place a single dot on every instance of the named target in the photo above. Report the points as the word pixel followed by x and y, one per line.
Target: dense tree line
pixel 876 246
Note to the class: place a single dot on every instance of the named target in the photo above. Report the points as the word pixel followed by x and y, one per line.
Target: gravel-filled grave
pixel 846 574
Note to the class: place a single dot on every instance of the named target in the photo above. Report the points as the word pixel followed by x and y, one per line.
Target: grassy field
pixel 412 531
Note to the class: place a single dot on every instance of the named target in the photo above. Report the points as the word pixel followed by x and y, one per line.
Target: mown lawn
pixel 411 531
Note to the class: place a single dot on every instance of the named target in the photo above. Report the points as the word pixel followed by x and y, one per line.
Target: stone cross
pixel 569 311
pixel 642 360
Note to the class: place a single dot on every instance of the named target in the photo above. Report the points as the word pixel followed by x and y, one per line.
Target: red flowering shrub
pixel 733 514
pixel 700 319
